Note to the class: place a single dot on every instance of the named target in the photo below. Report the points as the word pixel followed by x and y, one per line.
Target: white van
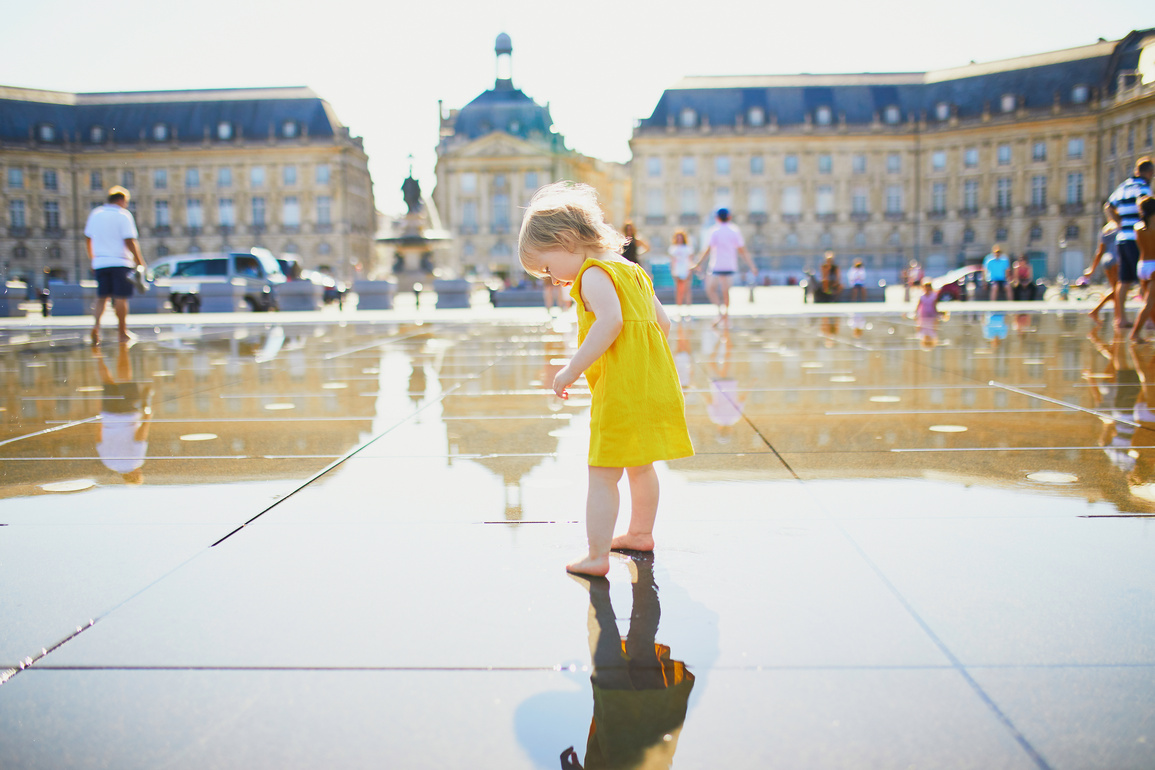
pixel 184 273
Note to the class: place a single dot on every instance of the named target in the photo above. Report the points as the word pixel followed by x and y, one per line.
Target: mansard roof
pixel 1035 81
pixel 505 108
pixel 126 117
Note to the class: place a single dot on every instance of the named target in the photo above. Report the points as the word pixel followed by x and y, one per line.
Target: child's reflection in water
pixel 640 694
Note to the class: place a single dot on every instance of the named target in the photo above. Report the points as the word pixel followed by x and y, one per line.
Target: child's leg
pixel 601 513
pixel 643 510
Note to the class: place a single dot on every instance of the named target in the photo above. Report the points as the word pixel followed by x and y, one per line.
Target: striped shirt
pixel 1125 200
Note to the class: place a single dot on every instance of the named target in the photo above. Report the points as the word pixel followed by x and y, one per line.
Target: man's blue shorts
pixel 114 282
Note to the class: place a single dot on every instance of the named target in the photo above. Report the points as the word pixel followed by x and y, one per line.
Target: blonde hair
pixel 566 215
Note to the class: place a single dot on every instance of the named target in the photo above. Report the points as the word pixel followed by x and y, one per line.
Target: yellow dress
pixel 638 414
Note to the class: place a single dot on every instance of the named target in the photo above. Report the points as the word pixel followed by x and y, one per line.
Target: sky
pixel 600 64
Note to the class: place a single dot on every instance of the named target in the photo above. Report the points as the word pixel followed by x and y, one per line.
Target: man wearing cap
pixel 724 244
pixel 995 265
pixel 110 237
pixel 1124 201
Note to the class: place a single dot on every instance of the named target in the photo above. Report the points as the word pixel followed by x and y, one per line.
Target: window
pixel 468 182
pixel 193 214
pixel 1150 134
pixel 257 176
pixel 1111 179
pixel 1004 155
pixel 1008 103
pixel 192 177
pixel 893 199
pixel 971 195
pixel 757 165
pixel 96 135
pixel 159 132
pixel 942 111
pixel 722 199
pixel 971 157
pixel 1001 234
pixel 968 235
pixel 500 211
pixel 826 240
pixel 531 182
pixel 1039 191
pixel 790 164
pixel 160 179
pixel 499 181
pixel 95 180
pixel 689 165
pixel 1111 151
pixel 289 129
pixel 1003 193
pixel 895 238
pixel 1075 188
pixel 1039 152
pixel 324 210
pixel 655 203
pixel 823 116
pixel 687 118
pixel 936 237
pixel 938 160
pixel 653 166
pixel 47 132
pixel 756 116
pixel 893 163
pixel 722 165
pixel 469 216
pixel 160 216
pixel 756 200
pixel 792 200
pixel 225 177
pixel 825 164
pixel 50 180
pixel 127 179
pixel 290 211
pixel 1072 232
pixel 1036 233
pixel 892 115
pixel 1130 139
pixel 858 200
pixel 860 240
pixel 689 201
pixel 289 175
pixel 226 213
pixel 858 164
pixel 16 217
pixel 1074 149
pixel 824 200
pixel 1080 94
pixel 322 173
pixel 791 240
pixel 258 206
pixel 938 197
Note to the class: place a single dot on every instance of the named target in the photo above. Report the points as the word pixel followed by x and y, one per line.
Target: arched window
pixel 1080 94
pixel 96 134
pixel 289 129
pixel 892 115
pixel 1008 103
pixel 224 130
pixel 159 132
pixel 823 116
pixel 47 132
pixel 942 111
pixel 688 118
pixel 756 116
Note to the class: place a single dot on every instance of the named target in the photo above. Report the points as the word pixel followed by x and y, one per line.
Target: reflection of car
pixel 184 274
pixel 334 291
pixel 953 284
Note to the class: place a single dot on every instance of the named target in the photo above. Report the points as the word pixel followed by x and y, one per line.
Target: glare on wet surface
pixel 887 551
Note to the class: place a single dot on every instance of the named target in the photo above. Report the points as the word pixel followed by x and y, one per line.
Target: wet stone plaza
pixel 333 542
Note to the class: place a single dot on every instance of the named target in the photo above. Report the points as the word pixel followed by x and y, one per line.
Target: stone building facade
pixel 934 166
pixel 493 154
pixel 207 170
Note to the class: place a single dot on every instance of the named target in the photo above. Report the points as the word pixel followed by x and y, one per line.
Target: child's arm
pixel 663 319
pixel 599 293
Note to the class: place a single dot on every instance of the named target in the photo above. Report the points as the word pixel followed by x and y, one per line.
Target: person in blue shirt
pixel 996 266
pixel 1125 202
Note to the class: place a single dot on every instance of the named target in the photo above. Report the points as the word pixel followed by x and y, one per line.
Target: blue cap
pixel 723 214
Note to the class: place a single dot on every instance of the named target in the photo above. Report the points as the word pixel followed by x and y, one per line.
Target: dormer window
pixel 47 132
pixel 892 115
pixel 942 111
pixel 1080 94
pixel 289 129
pixel 756 116
pixel 96 134
pixel 823 116
pixel 1008 103
pixel 688 117
pixel 159 132
pixel 224 131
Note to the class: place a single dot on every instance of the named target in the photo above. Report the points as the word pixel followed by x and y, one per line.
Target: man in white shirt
pixel 110 237
pixel 724 244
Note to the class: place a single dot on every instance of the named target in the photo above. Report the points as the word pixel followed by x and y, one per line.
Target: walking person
pixel 681 254
pixel 995 267
pixel 110 237
pixel 1145 241
pixel 635 245
pixel 638 414
pixel 926 315
pixel 1105 257
pixel 1022 279
pixel 724 244
pixel 1125 202
pixel 831 281
pixel 911 279
pixel 857 277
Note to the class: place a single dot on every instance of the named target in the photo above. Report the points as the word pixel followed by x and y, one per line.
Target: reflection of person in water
pixel 125 415
pixel 1115 393
pixel 725 408
pixel 640 693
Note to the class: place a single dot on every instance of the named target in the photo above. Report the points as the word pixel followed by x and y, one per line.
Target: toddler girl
pixel 637 414
pixel 927 314
pixel 680 258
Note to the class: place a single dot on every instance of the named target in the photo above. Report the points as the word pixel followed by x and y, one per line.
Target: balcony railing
pixel 968 213
pixel 53 232
pixel 791 218
pixel 18 232
pixel 895 216
pixel 161 230
pixel 1072 209
pixel 258 229
pixel 827 217
pixel 689 219
pixel 653 219
pixel 225 229
pixel 936 215
pixel 1036 210
pixel 757 217
pixel 860 216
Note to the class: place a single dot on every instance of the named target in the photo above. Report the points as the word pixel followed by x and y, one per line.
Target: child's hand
pixel 563 380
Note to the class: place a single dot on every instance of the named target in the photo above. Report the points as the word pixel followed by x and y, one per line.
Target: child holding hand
pixel 637 414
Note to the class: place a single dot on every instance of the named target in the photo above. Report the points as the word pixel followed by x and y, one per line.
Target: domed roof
pixel 503 44
pixel 505 109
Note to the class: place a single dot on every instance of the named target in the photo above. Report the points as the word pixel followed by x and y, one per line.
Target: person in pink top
pixel 927 314
pixel 724 245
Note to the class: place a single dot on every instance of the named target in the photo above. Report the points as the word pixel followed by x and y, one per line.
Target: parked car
pixel 952 286
pixel 184 273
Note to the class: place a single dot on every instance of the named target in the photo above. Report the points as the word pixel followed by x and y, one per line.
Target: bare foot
pixel 1095 316
pixel 633 542
pixel 95 337
pixel 599 567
